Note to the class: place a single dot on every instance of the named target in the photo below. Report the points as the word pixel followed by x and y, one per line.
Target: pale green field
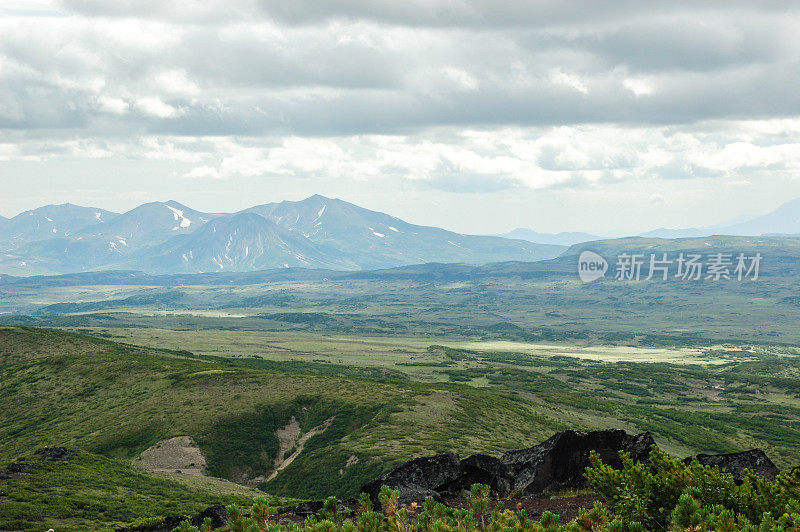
pixel 606 353
pixel 406 354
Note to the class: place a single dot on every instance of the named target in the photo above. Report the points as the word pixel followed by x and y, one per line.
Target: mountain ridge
pixel 317 232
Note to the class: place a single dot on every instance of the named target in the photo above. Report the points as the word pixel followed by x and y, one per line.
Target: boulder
pixel 419 478
pixel 54 453
pixel 561 461
pixel 755 460
pixel 20 466
pixel 217 513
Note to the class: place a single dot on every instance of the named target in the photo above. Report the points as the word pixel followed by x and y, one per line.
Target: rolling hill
pixel 110 402
pixel 557 239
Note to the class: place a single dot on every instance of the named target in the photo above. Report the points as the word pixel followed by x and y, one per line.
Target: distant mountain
pixel 51 221
pixel 559 239
pixel 783 220
pixel 241 242
pixel 100 244
pixel 146 225
pixel 663 232
pixel 318 232
pixel 371 239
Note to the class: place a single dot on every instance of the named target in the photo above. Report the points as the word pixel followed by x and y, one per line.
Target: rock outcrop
pixel 755 460
pixel 54 454
pixel 559 462
pixel 419 478
pixel 485 469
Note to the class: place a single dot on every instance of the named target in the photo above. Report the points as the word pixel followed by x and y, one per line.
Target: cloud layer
pixel 460 95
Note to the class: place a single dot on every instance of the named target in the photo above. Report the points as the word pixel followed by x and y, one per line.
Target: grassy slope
pixel 116 400
pixel 711 399
pixel 63 389
pixel 92 492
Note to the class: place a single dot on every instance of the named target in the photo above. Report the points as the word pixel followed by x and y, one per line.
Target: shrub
pixel 671 493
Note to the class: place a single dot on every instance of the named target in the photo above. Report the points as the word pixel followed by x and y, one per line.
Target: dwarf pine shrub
pixel 679 496
pixel 667 495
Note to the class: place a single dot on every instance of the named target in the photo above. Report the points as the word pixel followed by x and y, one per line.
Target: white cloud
pixel 639 87
pixel 562 78
pixel 156 107
pixel 477 160
pixel 116 106
pixel 203 172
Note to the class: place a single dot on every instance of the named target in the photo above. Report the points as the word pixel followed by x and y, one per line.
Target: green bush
pixel 671 494
pixel 433 517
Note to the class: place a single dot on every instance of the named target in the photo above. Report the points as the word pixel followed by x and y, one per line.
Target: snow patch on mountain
pixel 178 214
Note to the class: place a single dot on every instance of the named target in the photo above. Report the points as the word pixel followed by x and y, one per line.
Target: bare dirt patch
pixel 173 455
pixel 351 460
pixel 291 438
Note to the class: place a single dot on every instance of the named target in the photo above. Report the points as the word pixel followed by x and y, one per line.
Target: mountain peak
pixel 176 204
pixel 51 221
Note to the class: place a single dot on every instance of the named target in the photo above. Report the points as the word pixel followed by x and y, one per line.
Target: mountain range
pixel 168 237
pixel 317 232
pixel 785 220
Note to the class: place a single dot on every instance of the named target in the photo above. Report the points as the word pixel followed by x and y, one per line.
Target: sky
pixel 474 115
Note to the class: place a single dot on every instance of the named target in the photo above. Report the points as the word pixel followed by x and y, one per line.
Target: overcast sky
pixel 478 116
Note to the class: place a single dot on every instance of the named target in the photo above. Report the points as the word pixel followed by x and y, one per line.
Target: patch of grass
pixel 92 492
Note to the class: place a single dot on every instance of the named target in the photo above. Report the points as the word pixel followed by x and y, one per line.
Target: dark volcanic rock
pixel 485 469
pixel 218 515
pixel 419 478
pixel 561 461
pixel 54 453
pixel 557 463
pixel 755 460
pixel 20 466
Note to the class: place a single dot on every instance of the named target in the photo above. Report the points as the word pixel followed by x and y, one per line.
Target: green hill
pixel 118 400
pixel 111 401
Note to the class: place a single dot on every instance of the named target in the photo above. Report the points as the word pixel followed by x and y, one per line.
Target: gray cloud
pixel 146 80
pixel 420 13
pixel 343 72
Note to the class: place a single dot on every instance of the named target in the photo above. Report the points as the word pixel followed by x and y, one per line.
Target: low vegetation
pixel 93 492
pixel 60 388
pixel 670 495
